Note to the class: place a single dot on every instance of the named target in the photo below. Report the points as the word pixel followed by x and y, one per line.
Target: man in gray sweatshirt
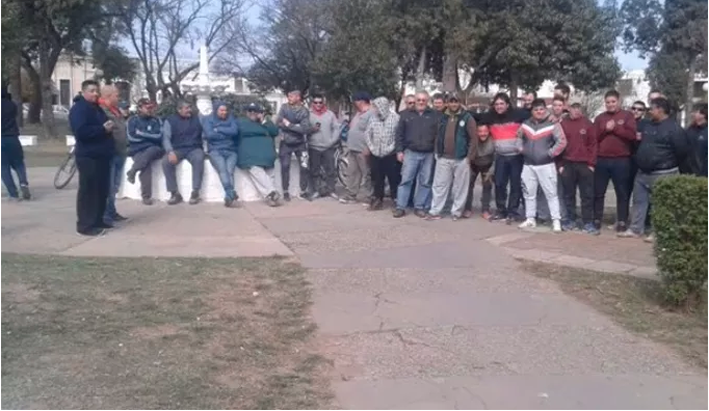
pixel 357 165
pixel 322 144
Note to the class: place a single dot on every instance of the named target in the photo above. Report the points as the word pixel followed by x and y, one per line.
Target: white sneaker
pixel 528 223
pixel 556 226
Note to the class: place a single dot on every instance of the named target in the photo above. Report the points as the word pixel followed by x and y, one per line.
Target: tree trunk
pixel 33 115
pixel 15 76
pixel 45 75
pixel 421 69
pixel 450 75
pixel 514 85
pixel 689 102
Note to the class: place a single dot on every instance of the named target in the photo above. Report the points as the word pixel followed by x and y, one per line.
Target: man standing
pixel 13 157
pixel 540 141
pixel 294 122
pixel 94 150
pixel 144 146
pixel 109 103
pixel 578 162
pixel 357 167
pixel 415 138
pixel 616 132
pixel 182 140
pixel 697 134
pixel 381 142
pixel 662 149
pixel 455 149
pixel 323 138
pixel 559 112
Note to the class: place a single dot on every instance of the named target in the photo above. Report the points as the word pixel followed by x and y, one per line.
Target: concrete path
pixel 414 314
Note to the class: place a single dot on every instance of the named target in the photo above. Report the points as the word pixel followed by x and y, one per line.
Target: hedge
pixel 679 219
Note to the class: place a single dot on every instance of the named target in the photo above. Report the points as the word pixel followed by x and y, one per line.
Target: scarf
pixel 114 110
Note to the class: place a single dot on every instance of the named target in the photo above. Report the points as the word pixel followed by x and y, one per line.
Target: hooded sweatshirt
pixel 328 134
pixel 380 135
pixel 221 135
pixel 540 141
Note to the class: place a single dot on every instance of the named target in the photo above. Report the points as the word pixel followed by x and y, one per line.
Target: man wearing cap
pixel 182 140
pixel 294 121
pixel 109 103
pixel 357 164
pixel 144 146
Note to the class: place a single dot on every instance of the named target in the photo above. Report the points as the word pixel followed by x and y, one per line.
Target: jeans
pixel 642 195
pixel 13 159
pixel 508 169
pixel 417 166
pixel 285 154
pixel 487 188
pixel 577 175
pixel 115 175
pixel 143 163
pixel 384 168
pixel 94 176
pixel 195 156
pixel 322 171
pixel 452 176
pixel 544 176
pixel 618 171
pixel 224 161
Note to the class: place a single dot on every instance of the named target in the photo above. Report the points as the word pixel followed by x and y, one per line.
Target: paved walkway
pixel 414 314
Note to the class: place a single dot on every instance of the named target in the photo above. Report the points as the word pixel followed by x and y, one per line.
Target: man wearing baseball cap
pixel 144 146
pixel 357 163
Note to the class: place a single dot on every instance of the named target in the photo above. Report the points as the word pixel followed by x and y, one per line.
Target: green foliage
pixel 679 218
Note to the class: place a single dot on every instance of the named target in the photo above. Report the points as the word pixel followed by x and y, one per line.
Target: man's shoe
pixel 486 215
pixel 106 226
pixel 92 232
pixel 375 205
pixel 147 201
pixel 467 214
pixel 119 218
pixel 398 213
pixel 25 190
pixel 272 199
pixel 455 217
pixel 175 198
pixel 347 200
pixel 498 217
pixel 334 196
pixel 628 234
pixel 528 223
pixel 568 226
pixel 591 229
pixel 556 226
pixel 433 217
pixel 194 197
pixel 649 239
pixel 228 202
pixel 621 227
pixel 131 176
pixel 305 196
pixel 420 213
pixel 286 196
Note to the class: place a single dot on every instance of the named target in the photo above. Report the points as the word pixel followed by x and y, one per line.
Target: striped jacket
pixel 143 132
pixel 540 141
pixel 503 129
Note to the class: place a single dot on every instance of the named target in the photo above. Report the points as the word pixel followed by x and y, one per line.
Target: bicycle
pixel 341 163
pixel 66 171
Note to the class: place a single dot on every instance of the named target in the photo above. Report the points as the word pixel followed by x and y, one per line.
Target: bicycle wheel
pixel 65 172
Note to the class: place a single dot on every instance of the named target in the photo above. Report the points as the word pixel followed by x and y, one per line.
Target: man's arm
pixel 559 141
pixel 472 129
pixel 271 128
pixel 84 131
pixel 519 140
pixel 592 144
pixel 682 147
pixel 167 137
pixel 335 126
pixel 400 131
pixel 628 130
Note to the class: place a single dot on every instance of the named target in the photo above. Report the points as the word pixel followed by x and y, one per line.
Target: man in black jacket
pixel 663 147
pixel 12 154
pixel 94 149
pixel 697 134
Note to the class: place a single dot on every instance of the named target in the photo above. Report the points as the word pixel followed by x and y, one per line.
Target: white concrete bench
pixel 26 141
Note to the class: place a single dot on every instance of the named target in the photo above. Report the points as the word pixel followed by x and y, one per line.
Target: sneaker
pixel 568 226
pixel 194 197
pixel 486 215
pixel 498 217
pixel 305 196
pixel 228 202
pixel 118 218
pixel 467 214
pixel 556 226
pixel 175 198
pixel 375 205
pixel 105 225
pixel 347 200
pixel 92 232
pixel 420 213
pixel 316 195
pixel 528 223
pixel 131 176
pixel 334 196
pixel 286 196
pixel 25 190
pixel 621 227
pixel 628 234
pixel 433 217
pixel 272 199
pixel 591 229
pixel 398 213
pixel 455 217
pixel 147 201
pixel 649 239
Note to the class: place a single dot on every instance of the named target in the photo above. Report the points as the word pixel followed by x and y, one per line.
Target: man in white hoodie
pixel 322 142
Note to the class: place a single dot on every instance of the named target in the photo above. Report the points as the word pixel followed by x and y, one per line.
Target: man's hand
pixel 638 136
pixel 286 122
pixel 561 170
pixel 592 168
pixel 610 125
pixel 109 125
pixel 172 158
pixel 400 157
pixel 365 153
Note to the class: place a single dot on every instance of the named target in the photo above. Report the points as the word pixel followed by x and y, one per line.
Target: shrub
pixel 679 218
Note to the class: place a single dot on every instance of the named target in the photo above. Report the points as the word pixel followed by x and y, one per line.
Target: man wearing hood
pixel 455 148
pixel 109 103
pixel 144 146
pixel 294 121
pixel 324 136
pixel 12 154
pixel 380 137
pixel 221 132
pixel 182 140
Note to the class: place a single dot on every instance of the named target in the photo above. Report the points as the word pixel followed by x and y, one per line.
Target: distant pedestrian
pixel 145 147
pixel 294 121
pixel 381 144
pixel 322 144
pixel 94 150
pixel 109 103
pixel 13 157
pixel 182 140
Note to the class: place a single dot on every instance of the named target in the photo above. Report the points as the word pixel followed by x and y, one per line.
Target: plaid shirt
pixel 381 129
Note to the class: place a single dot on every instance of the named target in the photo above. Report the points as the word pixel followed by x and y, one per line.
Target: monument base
pixel 212 190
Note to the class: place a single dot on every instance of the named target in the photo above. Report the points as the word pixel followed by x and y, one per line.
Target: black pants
pixel 94 175
pixel 285 153
pixel 384 168
pixel 578 175
pixel 322 171
pixel 483 172
pixel 508 169
pixel 617 170
pixel 143 163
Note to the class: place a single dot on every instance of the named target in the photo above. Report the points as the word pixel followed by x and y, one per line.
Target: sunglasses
pixel 638 109
pixel 317 102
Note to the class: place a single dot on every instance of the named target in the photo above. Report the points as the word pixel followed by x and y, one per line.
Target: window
pixel 65 93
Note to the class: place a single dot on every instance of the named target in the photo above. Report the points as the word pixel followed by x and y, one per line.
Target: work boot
pixel 398 213
pixel 25 192
pixel 175 198
pixel 375 205
pixel 286 196
pixel 194 197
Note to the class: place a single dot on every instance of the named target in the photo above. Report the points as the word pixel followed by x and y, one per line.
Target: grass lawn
pixel 636 304
pixel 152 333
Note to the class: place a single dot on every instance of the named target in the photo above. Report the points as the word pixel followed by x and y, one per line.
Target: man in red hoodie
pixel 616 133
pixel 576 168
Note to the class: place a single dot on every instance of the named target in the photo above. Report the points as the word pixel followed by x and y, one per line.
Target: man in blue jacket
pixel 94 150
pixel 12 154
pixel 182 140
pixel 221 133
pixel 144 146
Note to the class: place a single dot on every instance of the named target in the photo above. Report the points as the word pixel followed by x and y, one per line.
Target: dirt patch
pixel 159 333
pixel 636 304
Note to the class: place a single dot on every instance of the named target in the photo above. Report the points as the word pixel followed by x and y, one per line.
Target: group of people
pixel 431 154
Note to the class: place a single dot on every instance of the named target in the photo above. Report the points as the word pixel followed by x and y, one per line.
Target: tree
pixel 156 28
pixel 12 42
pixel 673 35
